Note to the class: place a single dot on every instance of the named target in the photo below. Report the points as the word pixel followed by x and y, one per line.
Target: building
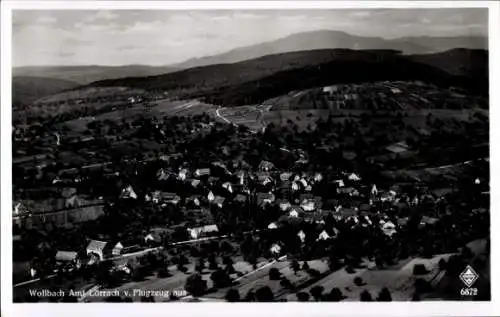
pixel 323 235
pixel 272 226
pixel 96 247
pixel 218 201
pixel 266 166
pixel 196 233
pixel 67 257
pixel 128 193
pixel 202 172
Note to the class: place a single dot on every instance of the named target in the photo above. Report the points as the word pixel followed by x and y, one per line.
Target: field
pixel 398 279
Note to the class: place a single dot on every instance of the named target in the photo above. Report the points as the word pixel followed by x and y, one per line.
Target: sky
pixel 165 37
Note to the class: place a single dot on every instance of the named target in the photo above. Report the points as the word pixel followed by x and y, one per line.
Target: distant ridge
pixel 87 74
pixel 326 39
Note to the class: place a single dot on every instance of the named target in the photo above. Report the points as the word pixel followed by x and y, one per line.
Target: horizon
pixel 72 38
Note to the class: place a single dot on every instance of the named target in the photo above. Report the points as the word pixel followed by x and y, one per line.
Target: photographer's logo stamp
pixel 468 277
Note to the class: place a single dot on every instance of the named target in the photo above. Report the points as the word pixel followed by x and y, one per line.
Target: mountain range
pixel 325 39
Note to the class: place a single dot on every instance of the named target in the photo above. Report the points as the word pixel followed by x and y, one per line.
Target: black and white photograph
pixel 248 155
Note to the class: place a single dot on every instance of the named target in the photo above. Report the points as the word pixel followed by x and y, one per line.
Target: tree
pixel 212 263
pixel 303 297
pixel 295 266
pixel 384 295
pixel 250 296
pixel 358 281
pixel 220 278
pixel 442 264
pixel 305 266
pixel 195 285
pixel 317 292
pixel 336 295
pixel 365 296
pixel 200 265
pixel 286 283
pixel 264 294
pixel 232 295
pixel 415 297
pixel 422 286
pixel 419 269
pixel 274 274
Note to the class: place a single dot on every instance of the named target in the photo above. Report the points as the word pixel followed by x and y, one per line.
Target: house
pixel 202 172
pixel 318 177
pixel 349 155
pixel 162 174
pixel 264 178
pixel 196 233
pixel 228 187
pixel 295 211
pixel 340 183
pixel 194 199
pixel 323 235
pixel 399 147
pixel 295 186
pixel 66 257
pixel 183 173
pixel 117 249
pixel 308 205
pixel 170 198
pixel 240 198
pixel 152 237
pixel 353 177
pixel 388 228
pixel 194 182
pixel 212 180
pixel 351 191
pixel 284 205
pixel 210 196
pixel 428 221
pixel 266 166
pixel 285 176
pixel 96 247
pixel 272 226
pixel 275 249
pixel 241 175
pixel 218 201
pixel 302 236
pixel 19 209
pixel 265 198
pixel 128 193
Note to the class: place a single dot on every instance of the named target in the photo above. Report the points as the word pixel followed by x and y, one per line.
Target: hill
pixel 439 44
pixel 368 68
pixel 462 62
pixel 26 90
pixel 256 80
pixel 87 74
pixel 206 78
pixel 326 39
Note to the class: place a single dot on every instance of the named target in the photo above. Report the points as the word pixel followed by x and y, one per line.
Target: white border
pixel 253 309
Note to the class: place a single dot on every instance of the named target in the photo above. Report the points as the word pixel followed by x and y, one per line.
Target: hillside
pixel 439 44
pixel 87 74
pixel 367 69
pixel 26 90
pixel 207 78
pixel 462 62
pixel 259 79
pixel 325 39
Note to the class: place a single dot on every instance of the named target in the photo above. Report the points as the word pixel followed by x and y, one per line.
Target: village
pixel 227 206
